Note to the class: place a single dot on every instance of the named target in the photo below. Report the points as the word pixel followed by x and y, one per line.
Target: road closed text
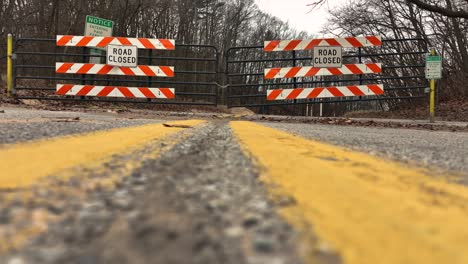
pixel 122 56
pixel 328 57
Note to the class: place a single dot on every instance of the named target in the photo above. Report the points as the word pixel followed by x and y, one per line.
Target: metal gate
pixel 35 74
pixel 402 75
pixel 197 76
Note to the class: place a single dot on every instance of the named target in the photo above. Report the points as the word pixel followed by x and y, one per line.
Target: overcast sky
pixel 296 13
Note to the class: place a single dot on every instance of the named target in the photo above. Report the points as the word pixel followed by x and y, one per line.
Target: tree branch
pixel 419 3
pixel 316 4
pixel 440 10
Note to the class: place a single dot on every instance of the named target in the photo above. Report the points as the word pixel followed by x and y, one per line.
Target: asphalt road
pixel 440 149
pixel 217 191
pixel 19 124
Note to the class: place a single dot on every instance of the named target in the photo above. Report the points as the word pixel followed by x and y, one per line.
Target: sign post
pixel 327 57
pixel 433 72
pixel 98 27
pixel 9 65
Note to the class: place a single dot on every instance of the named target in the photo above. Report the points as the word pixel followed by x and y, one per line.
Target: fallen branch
pixel 178 126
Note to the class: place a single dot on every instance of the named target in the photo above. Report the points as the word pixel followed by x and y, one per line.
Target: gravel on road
pixel 200 202
pixel 20 124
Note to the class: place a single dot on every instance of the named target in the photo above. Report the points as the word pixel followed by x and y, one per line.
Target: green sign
pixel 99 21
pixel 98 27
pixel 433 67
pixel 433 58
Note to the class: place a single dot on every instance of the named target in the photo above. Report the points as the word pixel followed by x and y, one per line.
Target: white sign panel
pixel 433 67
pixel 97 27
pixel 122 56
pixel 328 57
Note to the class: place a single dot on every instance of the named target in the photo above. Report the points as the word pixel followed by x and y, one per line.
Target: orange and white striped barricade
pixel 308 44
pixel 325 92
pixel 105 69
pixel 102 42
pixel 115 91
pixel 347 69
pixel 311 71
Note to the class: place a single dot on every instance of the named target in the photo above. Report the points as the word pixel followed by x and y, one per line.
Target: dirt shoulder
pixel 401 119
pixel 452 110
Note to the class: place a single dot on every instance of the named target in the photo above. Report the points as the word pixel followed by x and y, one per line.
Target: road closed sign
pixel 328 57
pixel 122 56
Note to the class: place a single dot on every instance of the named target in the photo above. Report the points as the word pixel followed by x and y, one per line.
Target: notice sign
pixel 433 67
pixel 122 56
pixel 98 27
pixel 328 57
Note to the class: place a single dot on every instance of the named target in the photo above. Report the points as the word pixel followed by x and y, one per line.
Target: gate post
pixel 432 94
pixel 222 72
pixel 10 65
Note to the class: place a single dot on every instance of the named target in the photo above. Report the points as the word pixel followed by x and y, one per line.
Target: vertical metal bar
pixel 10 65
pixel 13 61
pixel 216 95
pixel 432 102
pixel 217 76
pixel 150 62
pixel 227 91
pixel 380 102
pixel 83 76
pixel 432 95
pixel 108 78
pixel 83 60
pixel 294 65
pixel 360 61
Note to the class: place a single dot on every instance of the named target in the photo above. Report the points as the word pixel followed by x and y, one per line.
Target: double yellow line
pixel 25 163
pixel 367 209
pixel 370 210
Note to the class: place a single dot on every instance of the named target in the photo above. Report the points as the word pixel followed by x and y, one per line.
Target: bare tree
pixel 402 19
pixel 446 11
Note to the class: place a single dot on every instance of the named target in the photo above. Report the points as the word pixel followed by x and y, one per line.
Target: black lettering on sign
pixel 122 56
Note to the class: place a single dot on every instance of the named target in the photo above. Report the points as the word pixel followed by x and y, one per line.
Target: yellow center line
pixel 368 209
pixel 25 163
